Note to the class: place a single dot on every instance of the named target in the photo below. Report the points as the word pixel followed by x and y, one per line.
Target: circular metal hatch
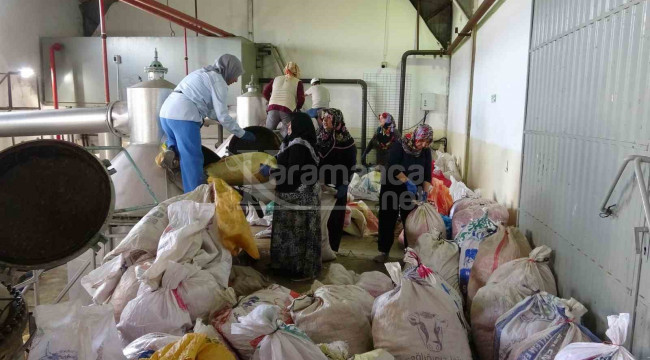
pixel 55 198
pixel 266 140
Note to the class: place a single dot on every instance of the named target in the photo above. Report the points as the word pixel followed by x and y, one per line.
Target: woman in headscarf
pixel 383 139
pixel 203 93
pixel 408 169
pixel 338 154
pixel 285 94
pixel 296 235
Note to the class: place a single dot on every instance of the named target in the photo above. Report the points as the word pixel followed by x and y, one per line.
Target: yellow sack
pixel 241 169
pixel 231 221
pixel 194 347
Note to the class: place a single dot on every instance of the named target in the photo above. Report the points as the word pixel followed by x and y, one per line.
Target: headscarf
pixel 338 137
pixel 386 134
pixel 293 68
pixel 422 132
pixel 228 66
pixel 302 132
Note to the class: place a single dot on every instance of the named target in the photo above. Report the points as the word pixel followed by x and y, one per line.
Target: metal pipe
pixel 66 121
pixel 417 27
pixel 364 100
pixel 402 80
pixel 471 23
pixel 159 13
pixel 55 93
pixel 470 105
pixel 187 69
pixel 171 12
pixel 102 26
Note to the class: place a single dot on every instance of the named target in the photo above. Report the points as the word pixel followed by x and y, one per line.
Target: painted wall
pixel 332 39
pixel 498 101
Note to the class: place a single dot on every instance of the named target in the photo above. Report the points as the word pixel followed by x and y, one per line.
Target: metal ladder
pixel 639 231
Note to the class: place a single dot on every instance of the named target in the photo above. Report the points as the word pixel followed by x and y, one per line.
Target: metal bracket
pixel 641 243
pixel 605 210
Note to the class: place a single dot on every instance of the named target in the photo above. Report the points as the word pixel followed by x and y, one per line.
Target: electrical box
pixel 429 101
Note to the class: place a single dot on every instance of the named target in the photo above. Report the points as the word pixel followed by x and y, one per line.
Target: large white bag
pixel 375 282
pixel 336 313
pixel 468 240
pixel 530 316
pixel 337 274
pixel 182 239
pixel 162 310
pixel 274 339
pixel 423 219
pixel 547 344
pixel 198 291
pixel 101 282
pixel 441 256
pixel 616 332
pixel 146 234
pixel 422 317
pixel 71 331
pixel 223 320
pixel 508 285
pixel 127 289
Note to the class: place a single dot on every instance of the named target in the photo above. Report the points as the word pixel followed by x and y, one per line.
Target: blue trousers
pixel 184 137
pixel 313 112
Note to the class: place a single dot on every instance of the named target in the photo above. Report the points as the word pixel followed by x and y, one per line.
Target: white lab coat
pixel 199 95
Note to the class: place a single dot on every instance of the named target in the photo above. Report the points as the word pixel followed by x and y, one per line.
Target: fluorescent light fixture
pixel 26 72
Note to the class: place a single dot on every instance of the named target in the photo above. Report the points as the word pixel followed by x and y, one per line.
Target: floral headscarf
pixel 422 132
pixel 338 137
pixel 386 134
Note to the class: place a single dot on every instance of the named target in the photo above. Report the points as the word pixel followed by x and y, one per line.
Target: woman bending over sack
pixel 408 168
pixel 295 237
pixel 338 155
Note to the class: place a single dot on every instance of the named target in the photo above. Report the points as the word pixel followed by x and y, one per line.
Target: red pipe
pixel 163 15
pixel 55 92
pixel 102 25
pixel 180 15
pixel 187 70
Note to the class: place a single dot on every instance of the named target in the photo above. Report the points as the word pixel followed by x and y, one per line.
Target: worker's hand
pixel 363 160
pixel 342 192
pixel 248 136
pixel 428 188
pixel 410 186
pixel 265 170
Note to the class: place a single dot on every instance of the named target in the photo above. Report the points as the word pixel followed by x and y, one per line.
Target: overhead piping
pixel 178 17
pixel 364 100
pixel 402 79
pixel 55 92
pixel 471 23
pixel 187 69
pixel 102 25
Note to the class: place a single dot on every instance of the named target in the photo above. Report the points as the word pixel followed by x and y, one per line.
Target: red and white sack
pixel 146 234
pixel 616 332
pixel 507 244
pixel 535 313
pixel 336 313
pixel 422 220
pixel 422 318
pixel 273 339
pixel 273 295
pixel 547 344
pixel 496 212
pixel 441 256
pixel 127 289
pixel 162 310
pixel 508 285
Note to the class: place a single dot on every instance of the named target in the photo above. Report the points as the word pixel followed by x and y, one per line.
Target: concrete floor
pixel 355 254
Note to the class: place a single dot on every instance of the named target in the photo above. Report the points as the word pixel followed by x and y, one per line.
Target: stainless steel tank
pixel 145 100
pixel 251 107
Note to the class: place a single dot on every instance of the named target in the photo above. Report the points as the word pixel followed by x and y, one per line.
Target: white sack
pixel 149 342
pixel 127 289
pixel 441 256
pixel 71 331
pixel 468 240
pixel 422 317
pixel 337 274
pixel 375 282
pixel 101 282
pixel 617 334
pixel 279 341
pixel 336 313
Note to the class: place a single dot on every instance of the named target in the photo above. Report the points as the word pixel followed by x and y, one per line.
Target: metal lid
pixel 55 198
pixel 265 140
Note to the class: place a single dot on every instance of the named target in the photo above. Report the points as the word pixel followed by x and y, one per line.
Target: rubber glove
pixel 410 186
pixel 265 170
pixel 342 192
pixel 248 136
